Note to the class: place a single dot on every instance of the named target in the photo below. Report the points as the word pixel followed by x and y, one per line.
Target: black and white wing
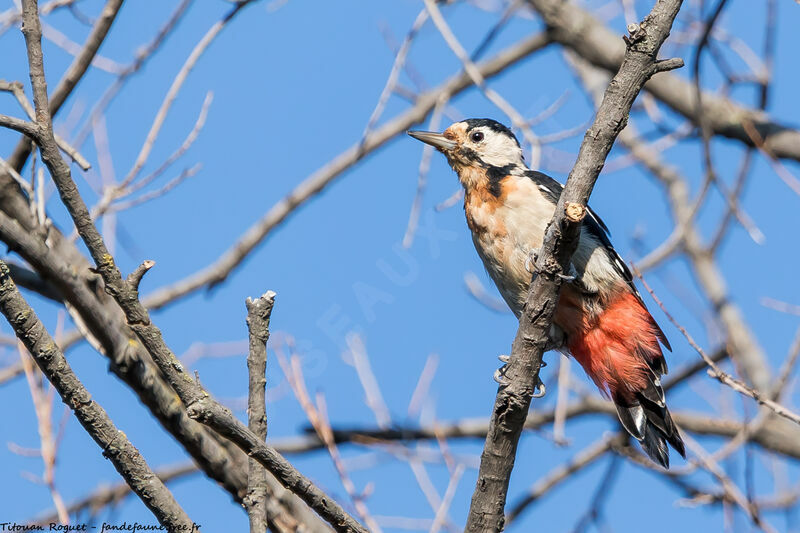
pixel 598 229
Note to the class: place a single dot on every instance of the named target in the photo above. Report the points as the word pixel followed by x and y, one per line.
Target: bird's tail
pixel 619 350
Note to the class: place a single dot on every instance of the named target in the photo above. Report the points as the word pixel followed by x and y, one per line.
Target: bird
pixel 600 318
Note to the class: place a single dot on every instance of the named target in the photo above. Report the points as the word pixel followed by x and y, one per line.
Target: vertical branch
pixel 513 400
pixel 258 315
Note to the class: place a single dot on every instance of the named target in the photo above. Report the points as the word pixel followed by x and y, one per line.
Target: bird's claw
pixel 539 388
pixel 530 261
pixel 566 278
pixel 500 376
pixel 500 373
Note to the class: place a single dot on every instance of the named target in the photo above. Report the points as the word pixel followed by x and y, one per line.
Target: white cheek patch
pixel 499 150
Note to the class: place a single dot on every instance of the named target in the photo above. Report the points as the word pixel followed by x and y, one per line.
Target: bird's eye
pixel 477 137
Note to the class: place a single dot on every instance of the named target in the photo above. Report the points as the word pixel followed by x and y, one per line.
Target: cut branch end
pixel 135 277
pixel 575 212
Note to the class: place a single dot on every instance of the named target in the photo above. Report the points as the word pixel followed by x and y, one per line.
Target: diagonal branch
pixel 16 89
pixel 743 345
pixel 512 402
pixel 73 74
pixel 102 323
pixel 218 271
pixel 62 264
pixel 762 398
pixel 199 403
pixel 113 495
pixel 115 445
pixel 581 460
pixel 172 94
pixel 581 32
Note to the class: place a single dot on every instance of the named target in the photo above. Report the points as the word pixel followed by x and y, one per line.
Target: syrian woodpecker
pixel 600 318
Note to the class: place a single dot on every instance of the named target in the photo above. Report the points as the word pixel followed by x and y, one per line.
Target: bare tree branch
pixel 223 422
pixel 16 89
pixel 258 315
pixel 73 74
pixel 777 435
pixel 112 495
pixel 744 347
pixel 317 415
pixel 172 93
pixel 512 402
pixel 115 445
pixel 581 32
pixel 198 402
pixel 580 461
pixel 723 377
pixel 316 182
pixel 108 332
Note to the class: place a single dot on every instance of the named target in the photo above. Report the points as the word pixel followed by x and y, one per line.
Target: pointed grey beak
pixel 437 140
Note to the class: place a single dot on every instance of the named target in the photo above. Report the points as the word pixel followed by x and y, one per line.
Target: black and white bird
pixel 600 318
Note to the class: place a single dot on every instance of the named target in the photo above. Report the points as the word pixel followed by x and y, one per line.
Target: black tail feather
pixel 654 428
pixel 675 438
pixel 654 445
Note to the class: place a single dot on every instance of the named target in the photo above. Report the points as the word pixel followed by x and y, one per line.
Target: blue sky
pixel 293 87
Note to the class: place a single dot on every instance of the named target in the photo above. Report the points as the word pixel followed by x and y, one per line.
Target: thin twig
pixel 112 495
pixel 317 415
pixel 16 89
pixel 422 178
pixel 372 391
pixel 478 291
pixel 43 406
pixel 581 460
pixel 562 398
pixel 474 73
pixel 714 370
pixel 220 269
pixel 394 73
pixel 74 73
pixel 727 484
pixel 115 193
pixel 142 55
pixel 441 513
pixel 172 93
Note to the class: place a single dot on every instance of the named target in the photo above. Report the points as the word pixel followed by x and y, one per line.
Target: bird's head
pixel 475 145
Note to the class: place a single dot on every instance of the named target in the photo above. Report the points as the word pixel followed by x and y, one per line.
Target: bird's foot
pixel 530 266
pixel 539 388
pixel 500 373
pixel 530 261
pixel 570 276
